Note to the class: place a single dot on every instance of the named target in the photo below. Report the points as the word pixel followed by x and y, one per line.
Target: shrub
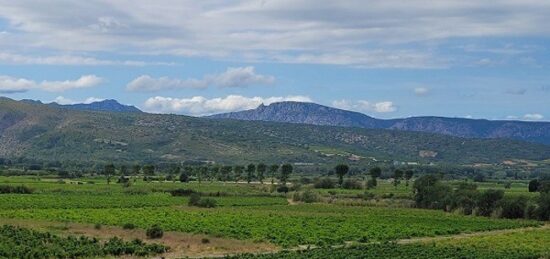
pixel 513 208
pixel 488 200
pixel 352 185
pixel 207 203
pixel 205 240
pixel 128 226
pixel 182 192
pixel 196 200
pixel 371 183
pixel 324 183
pixel 15 189
pixel 97 226
pixel 307 196
pixel 282 189
pixel 155 232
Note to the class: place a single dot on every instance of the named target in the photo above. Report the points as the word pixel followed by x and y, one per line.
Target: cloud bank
pixel 10 84
pixel 366 106
pixel 199 105
pixel 232 77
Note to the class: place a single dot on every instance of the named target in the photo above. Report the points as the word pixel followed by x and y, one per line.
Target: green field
pixel 254 212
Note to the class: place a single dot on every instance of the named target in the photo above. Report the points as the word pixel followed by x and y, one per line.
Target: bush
pixel 282 189
pixel 352 185
pixel 128 226
pixel 207 203
pixel 371 183
pixel 97 226
pixel 324 183
pixel 196 200
pixel 205 240
pixel 513 208
pixel 182 192
pixel 307 196
pixel 155 232
pixel 15 189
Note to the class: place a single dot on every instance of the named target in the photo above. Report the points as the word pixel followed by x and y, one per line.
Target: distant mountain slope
pixel 105 105
pixel 43 132
pixel 311 113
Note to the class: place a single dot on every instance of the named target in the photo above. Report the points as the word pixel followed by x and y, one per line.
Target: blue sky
pixel 387 59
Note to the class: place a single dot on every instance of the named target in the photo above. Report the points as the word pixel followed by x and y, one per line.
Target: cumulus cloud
pixel 421 91
pixel 63 100
pixel 533 116
pixel 232 77
pixel 365 106
pixel 10 84
pixel 527 117
pixel 199 105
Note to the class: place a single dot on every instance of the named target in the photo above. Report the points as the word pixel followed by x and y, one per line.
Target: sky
pixel 385 58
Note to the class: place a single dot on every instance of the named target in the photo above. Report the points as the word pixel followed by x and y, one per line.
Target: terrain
pixel 38 132
pixel 315 114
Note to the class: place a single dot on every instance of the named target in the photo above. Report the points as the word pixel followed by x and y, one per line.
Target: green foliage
pixel 15 189
pixel 18 242
pixel 341 170
pixel 324 183
pixel 154 232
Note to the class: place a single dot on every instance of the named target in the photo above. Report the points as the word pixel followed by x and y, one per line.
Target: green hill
pixel 45 133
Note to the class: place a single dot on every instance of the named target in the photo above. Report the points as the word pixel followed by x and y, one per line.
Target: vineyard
pixel 250 213
pixel 528 244
pixel 24 243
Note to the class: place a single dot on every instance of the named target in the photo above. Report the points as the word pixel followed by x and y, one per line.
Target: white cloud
pixel 10 84
pixel 365 106
pixel 291 30
pixel 533 116
pixel 200 105
pixel 421 91
pixel 9 58
pixel 232 77
pixel 527 117
pixel 63 100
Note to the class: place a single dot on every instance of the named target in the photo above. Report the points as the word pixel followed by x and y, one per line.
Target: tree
pixel 225 173
pixel 408 175
pixel 260 171
pixel 238 172
pixel 149 170
pixel 272 172
pixel 397 175
pixel 374 172
pixel 429 192
pixel 123 170
pixel 184 177
pixel 250 170
pixel 286 171
pixel 534 185
pixel 341 170
pixel 487 201
pixel 108 171
pixel 136 169
pixel 214 173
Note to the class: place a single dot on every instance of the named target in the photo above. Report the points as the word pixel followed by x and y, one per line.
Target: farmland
pixel 252 213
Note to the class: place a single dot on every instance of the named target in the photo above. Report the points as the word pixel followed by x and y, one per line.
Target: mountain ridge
pixel 38 132
pixel 107 105
pixel 316 114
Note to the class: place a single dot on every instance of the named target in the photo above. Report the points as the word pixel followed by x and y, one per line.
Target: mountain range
pixel 108 105
pixel 31 131
pixel 315 114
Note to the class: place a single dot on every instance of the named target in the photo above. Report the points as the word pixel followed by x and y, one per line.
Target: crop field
pixel 252 212
pixel 521 244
